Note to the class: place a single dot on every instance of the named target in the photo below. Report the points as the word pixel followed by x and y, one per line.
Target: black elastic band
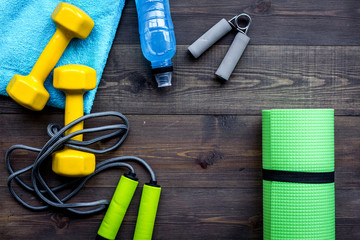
pixel 98 237
pixel 162 69
pixel 298 177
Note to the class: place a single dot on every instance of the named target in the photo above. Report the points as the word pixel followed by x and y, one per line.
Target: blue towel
pixel 26 27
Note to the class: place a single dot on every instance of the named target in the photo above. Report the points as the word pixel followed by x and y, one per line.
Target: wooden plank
pixel 179 209
pixel 282 22
pixel 188 151
pixel 203 137
pixel 183 213
pixel 7 105
pixel 266 77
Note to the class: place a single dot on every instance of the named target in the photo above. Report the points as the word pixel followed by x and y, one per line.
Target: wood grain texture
pixel 203 137
pixel 217 158
pixel 184 213
pixel 266 77
pixel 206 151
pixel 281 22
pixel 190 209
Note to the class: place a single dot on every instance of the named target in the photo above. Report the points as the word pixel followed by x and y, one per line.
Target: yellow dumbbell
pixel 71 22
pixel 73 80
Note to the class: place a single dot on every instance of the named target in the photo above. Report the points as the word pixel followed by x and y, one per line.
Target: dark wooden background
pixel 202 137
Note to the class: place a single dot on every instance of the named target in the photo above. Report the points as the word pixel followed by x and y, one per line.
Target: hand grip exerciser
pixel 298 174
pixel 73 80
pixel 236 49
pixel 71 22
pixel 210 37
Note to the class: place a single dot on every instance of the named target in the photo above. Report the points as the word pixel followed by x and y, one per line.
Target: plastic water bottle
pixel 157 37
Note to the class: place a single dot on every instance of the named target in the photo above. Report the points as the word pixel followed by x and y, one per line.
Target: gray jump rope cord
pixel 58 140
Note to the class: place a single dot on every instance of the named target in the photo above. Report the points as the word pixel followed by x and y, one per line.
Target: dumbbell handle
pixel 74 108
pixel 50 55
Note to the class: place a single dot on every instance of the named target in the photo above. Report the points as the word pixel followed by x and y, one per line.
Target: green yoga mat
pixel 298 174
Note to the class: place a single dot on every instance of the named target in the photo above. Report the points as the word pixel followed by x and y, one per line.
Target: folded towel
pixel 26 27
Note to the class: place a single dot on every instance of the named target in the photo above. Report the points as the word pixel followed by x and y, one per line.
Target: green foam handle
pixel 298 140
pixel 117 208
pixel 147 212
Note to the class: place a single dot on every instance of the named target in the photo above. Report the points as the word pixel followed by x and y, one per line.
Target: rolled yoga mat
pixel 298 174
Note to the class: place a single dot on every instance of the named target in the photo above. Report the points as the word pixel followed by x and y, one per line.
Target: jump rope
pixel 123 193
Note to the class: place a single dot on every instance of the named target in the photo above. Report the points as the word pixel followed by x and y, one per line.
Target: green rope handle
pixel 147 212
pixel 118 206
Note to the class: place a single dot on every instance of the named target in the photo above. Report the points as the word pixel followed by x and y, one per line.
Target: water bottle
pixel 157 37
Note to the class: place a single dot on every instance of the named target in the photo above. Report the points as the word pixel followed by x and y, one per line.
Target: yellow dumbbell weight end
pixel 74 20
pixel 73 163
pixel 71 22
pixel 73 80
pixel 28 92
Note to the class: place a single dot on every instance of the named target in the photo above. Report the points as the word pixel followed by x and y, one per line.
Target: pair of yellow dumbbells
pixel 28 91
